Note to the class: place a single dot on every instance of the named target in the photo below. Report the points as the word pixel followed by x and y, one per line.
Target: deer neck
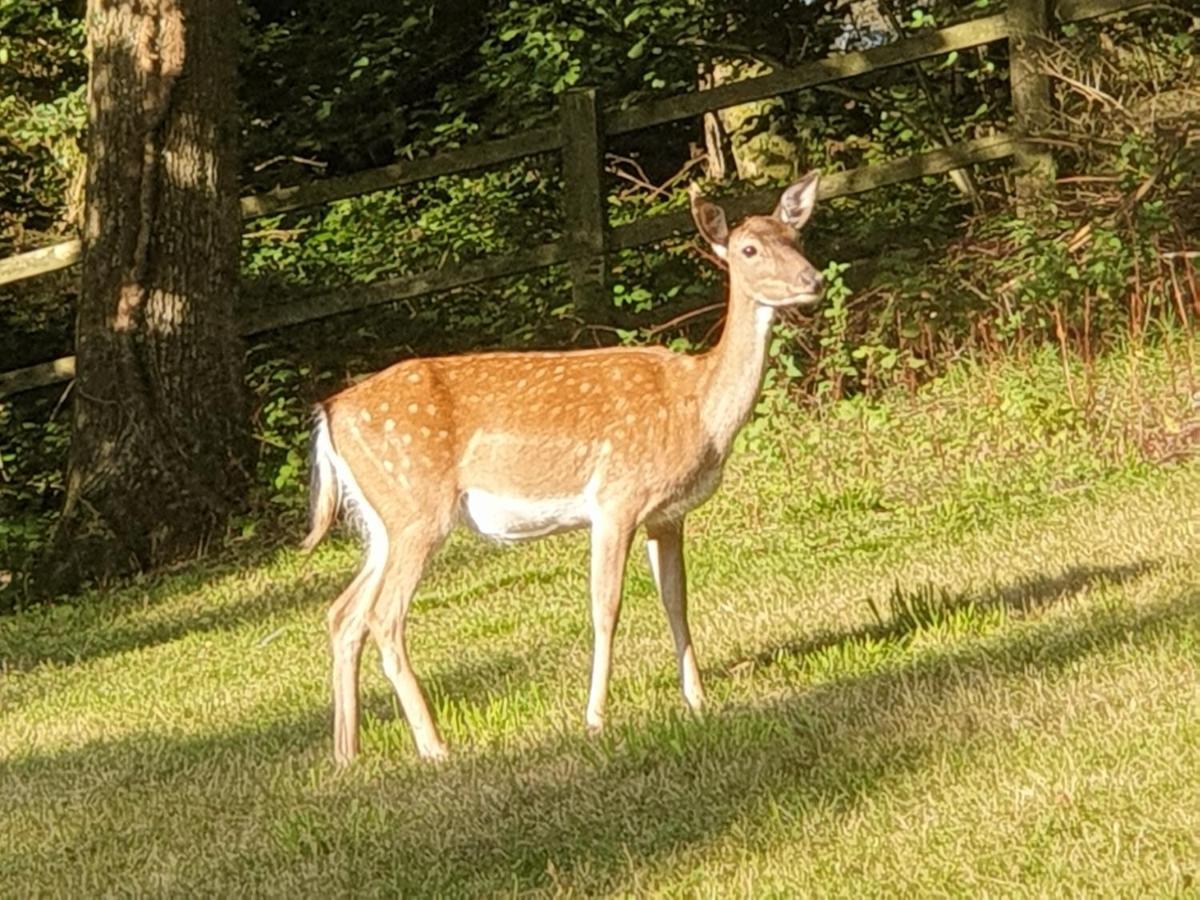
pixel 734 368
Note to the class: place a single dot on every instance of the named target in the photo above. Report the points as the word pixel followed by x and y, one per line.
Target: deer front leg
pixel 664 546
pixel 610 548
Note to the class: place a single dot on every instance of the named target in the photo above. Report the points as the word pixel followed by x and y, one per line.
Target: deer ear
pixel 710 221
pixel 797 202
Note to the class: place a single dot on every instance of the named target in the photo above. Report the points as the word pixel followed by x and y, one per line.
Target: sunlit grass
pixel 951 642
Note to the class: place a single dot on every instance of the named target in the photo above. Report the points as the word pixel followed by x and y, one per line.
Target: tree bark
pixel 159 439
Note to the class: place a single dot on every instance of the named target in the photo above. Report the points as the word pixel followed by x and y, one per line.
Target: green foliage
pixel 392 233
pixel 345 85
pixel 42 71
pixel 33 453
pixel 281 428
pixel 541 49
pixel 837 358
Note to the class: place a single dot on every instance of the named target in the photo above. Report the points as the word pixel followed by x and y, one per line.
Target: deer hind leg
pixel 610 548
pixel 664 546
pixel 347 622
pixel 406 564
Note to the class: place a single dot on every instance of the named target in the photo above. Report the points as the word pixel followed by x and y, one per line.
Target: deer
pixel 520 445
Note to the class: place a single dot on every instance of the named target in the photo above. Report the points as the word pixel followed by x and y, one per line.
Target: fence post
pixel 583 203
pixel 1028 22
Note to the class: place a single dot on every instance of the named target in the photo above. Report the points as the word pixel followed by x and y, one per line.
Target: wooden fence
pixel 579 135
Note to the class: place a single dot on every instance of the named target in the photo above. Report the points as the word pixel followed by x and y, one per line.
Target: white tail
pixel 521 445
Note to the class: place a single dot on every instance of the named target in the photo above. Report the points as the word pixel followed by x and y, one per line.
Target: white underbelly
pixel 519 518
pixel 695 494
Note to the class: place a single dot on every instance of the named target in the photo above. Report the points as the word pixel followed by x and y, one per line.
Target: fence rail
pixel 587 239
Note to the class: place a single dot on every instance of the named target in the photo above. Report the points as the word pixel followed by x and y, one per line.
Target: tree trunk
pixel 159 438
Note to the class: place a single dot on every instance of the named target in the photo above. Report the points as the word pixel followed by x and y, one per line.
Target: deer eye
pixel 749 250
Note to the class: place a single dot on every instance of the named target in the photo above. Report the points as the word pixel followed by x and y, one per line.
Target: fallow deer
pixel 522 445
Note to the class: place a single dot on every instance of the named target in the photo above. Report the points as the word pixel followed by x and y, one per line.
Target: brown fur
pixel 609 439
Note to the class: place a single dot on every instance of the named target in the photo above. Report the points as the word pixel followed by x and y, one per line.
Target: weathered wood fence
pixel 580 135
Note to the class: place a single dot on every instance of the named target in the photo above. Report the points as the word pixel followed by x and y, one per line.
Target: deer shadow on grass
pixel 908 609
pixel 564 815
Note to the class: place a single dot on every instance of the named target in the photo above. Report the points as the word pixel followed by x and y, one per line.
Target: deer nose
pixel 817 282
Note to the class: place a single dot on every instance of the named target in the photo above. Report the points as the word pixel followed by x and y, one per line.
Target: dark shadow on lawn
pixel 908 609
pixel 517 821
pixel 76 633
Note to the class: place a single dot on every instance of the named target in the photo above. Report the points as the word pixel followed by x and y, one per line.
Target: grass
pixel 952 644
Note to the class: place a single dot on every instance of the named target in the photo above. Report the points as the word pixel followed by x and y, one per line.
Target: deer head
pixel 770 269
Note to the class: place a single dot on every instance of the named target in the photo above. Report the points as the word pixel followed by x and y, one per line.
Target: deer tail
pixel 324 496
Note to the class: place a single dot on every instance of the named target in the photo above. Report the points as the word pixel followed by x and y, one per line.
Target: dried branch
pixel 300 160
pixel 684 317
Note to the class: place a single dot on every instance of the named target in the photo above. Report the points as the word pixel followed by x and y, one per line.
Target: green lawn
pixel 951 644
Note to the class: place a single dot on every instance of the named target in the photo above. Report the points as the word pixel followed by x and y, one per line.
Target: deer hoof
pixel 436 753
